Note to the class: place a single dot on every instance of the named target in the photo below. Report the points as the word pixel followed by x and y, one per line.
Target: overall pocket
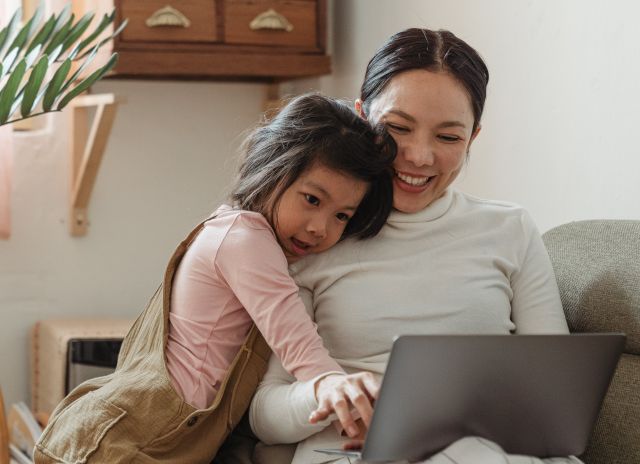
pixel 76 432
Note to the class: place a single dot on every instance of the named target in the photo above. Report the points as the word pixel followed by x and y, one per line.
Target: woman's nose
pixel 420 154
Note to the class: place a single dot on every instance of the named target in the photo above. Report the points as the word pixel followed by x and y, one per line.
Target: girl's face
pixel 430 117
pixel 312 213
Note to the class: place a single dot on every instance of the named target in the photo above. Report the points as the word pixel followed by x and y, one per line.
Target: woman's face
pixel 429 115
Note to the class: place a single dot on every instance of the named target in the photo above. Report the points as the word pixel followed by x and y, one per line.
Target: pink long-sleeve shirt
pixel 234 273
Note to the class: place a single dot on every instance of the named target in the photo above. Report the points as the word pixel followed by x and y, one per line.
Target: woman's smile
pixel 412 182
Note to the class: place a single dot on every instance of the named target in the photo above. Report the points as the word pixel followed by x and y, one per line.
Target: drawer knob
pixel 271 19
pixel 167 16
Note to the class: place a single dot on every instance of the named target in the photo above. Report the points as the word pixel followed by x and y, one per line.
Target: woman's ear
pixel 473 137
pixel 358 106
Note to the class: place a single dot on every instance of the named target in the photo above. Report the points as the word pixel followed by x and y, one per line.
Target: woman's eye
pixel 449 138
pixel 396 128
pixel 343 217
pixel 312 200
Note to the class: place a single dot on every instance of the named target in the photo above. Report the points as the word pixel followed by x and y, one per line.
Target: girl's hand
pixel 356 443
pixel 339 393
pixel 353 445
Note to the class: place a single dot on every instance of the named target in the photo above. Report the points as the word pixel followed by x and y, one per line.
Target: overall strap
pixel 169 274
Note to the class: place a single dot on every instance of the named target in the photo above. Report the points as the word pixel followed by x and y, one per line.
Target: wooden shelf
pixel 256 40
pixel 167 64
pixel 4 433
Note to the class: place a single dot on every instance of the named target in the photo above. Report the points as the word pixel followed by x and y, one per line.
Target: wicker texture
pixel 597 265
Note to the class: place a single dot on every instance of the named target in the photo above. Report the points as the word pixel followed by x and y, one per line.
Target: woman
pixel 445 262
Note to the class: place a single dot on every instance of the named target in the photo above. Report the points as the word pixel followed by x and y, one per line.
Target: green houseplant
pixel 36 74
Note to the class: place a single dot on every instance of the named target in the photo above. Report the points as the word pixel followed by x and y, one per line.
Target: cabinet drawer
pixel 271 23
pixel 169 20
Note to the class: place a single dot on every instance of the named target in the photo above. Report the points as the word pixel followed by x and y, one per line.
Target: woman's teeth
pixel 417 181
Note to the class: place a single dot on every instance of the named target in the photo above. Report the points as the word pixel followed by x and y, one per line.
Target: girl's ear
pixel 358 106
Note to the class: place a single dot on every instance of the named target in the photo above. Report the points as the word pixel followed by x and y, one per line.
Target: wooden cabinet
pixel 269 40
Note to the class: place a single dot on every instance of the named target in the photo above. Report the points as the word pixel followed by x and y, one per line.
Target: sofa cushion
pixel 597 265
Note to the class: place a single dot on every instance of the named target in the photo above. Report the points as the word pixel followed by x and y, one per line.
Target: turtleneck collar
pixel 432 212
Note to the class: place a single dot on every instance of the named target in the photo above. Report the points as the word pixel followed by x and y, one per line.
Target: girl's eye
pixel 342 217
pixel 312 200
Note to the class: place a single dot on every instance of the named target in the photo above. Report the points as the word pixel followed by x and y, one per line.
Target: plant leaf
pixel 4 34
pixel 32 56
pixel 59 37
pixel 54 54
pixel 7 33
pixel 16 102
pixel 86 83
pixel 43 34
pixel 8 61
pixel 36 19
pixel 53 89
pixel 39 97
pixel 8 93
pixel 22 37
pixel 86 62
pixel 72 54
pixel 33 85
pixel 106 20
pixel 77 30
pixel 63 17
pixel 102 42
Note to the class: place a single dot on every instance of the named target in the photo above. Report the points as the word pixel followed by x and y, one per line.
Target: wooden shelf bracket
pixel 87 147
pixel 4 434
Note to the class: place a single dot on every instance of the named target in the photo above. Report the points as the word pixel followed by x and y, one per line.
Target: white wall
pixel 168 163
pixel 559 136
pixel 561 120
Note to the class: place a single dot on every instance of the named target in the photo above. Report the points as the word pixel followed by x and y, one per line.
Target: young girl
pixel 315 174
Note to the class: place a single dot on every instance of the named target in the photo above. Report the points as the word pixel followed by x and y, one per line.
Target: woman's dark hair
pixel 437 51
pixel 315 129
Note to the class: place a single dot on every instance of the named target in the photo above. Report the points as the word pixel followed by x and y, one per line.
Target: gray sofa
pixel 597 265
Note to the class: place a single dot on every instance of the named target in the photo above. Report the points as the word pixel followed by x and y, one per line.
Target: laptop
pixel 537 395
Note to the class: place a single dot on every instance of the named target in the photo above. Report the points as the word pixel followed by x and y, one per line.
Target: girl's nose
pixel 317 227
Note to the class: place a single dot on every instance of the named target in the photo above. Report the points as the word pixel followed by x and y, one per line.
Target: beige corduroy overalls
pixel 134 415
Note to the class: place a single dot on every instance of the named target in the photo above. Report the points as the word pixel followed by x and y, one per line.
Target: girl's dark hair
pixel 315 129
pixel 437 51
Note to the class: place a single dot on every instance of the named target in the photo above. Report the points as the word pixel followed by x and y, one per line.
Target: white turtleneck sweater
pixel 461 266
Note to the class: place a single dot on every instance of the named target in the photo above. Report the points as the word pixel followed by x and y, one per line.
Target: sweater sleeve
pixel 280 408
pixel 536 305
pixel 250 261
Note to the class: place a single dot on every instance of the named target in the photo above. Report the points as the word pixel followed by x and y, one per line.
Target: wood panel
pixel 227 48
pixel 300 16
pixel 201 15
pixel 200 65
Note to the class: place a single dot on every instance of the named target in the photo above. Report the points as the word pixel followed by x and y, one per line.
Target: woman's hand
pixel 340 393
